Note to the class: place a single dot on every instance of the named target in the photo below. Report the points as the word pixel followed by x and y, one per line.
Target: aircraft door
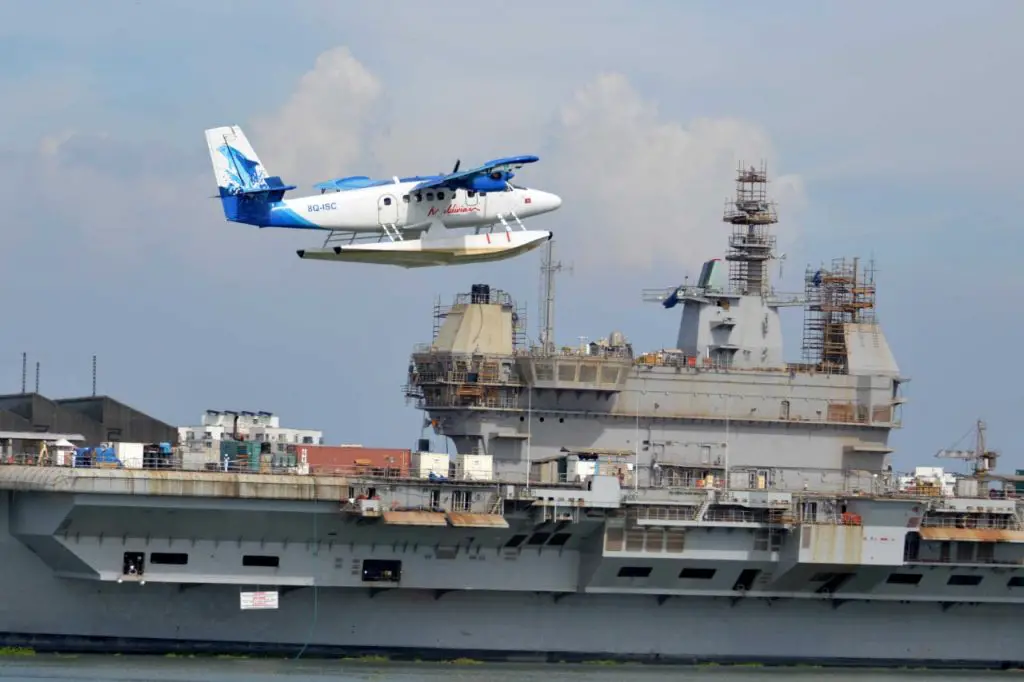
pixel 387 210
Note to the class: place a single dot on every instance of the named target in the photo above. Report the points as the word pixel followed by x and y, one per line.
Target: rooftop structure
pixel 98 419
pixel 217 425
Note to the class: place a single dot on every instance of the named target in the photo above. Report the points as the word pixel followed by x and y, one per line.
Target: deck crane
pixel 984 461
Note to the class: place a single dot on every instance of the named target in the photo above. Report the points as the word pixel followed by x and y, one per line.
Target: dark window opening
pixel 538 538
pixel 697 573
pixel 382 571
pixel 470 194
pixel 559 539
pixel 405 198
pixel 515 541
pixel 261 561
pixel 169 558
pixel 133 563
pixel 387 201
pixel 634 571
pixel 964 580
pixel 430 196
pixel 440 195
pixel 1015 581
pixel 746 579
pixel 834 582
pixel 419 196
pixel 904 579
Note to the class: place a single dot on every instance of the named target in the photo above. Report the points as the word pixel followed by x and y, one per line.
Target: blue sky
pixel 892 130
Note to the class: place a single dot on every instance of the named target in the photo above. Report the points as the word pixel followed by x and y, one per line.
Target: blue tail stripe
pixel 256 210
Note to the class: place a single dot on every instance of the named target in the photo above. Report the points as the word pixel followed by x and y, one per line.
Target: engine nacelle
pixel 492 182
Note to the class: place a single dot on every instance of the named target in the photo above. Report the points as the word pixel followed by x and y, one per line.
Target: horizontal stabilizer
pixel 274 191
pixel 418 253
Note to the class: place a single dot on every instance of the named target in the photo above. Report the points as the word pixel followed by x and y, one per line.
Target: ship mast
pixel 751 244
pixel 548 269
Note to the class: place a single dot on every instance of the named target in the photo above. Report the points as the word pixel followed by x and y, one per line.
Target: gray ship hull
pixel 53 614
pixel 47 612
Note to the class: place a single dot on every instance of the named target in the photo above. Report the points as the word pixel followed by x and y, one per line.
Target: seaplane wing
pixel 493 176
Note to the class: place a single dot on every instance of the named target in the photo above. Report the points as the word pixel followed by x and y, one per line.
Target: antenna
pixel 781 258
pixel 24 372
pixel 548 268
pixel 94 376
pixel 37 376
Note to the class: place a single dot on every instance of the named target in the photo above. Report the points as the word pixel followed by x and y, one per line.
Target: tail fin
pixel 245 188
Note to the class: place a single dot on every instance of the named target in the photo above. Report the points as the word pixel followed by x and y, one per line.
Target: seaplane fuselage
pixel 400 206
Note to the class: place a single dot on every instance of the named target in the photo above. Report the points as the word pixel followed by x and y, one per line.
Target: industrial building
pixel 98 419
pixel 217 425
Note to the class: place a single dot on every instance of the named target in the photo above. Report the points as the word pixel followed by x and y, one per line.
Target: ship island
pixel 707 502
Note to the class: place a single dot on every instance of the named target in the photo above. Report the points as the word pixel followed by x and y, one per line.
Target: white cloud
pixel 644 189
pixel 639 188
pixel 319 131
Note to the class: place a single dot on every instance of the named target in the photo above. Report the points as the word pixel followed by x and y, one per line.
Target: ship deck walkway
pixel 215 484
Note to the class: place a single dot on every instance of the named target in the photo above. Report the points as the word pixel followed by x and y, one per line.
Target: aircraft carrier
pixel 707 502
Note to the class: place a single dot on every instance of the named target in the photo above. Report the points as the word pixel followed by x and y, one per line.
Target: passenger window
pixel 387 201
pixel 430 196
pixel 440 195
pixel 419 196
pixel 405 198
pixel 470 194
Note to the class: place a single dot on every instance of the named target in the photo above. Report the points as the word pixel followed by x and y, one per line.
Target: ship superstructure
pixel 709 501
pixel 721 405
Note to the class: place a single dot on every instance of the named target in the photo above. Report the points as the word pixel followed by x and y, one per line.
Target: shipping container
pixel 130 454
pixel 423 464
pixel 474 468
pixel 345 459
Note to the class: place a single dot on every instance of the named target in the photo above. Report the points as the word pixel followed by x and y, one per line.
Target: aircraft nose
pixel 549 202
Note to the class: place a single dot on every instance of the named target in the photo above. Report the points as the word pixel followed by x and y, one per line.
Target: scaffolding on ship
pixel 751 244
pixel 837 296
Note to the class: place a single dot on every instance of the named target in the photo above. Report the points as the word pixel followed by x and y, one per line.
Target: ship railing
pixel 970 521
pixel 456 473
pixel 733 515
pixel 974 561
pixel 598 353
pixel 666 358
pixel 423 402
pixel 669 513
pixel 171 462
pixel 606 468
pixel 457 377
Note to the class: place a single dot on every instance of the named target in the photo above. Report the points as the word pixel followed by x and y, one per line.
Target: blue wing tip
pixel 528 158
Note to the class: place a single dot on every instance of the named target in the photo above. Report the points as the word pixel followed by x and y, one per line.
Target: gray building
pixel 98 418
